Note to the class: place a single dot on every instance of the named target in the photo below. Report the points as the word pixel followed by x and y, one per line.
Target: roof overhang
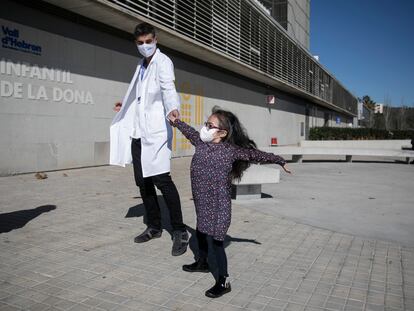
pixel 115 16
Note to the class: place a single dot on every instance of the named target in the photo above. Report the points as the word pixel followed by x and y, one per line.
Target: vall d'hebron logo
pixel 11 40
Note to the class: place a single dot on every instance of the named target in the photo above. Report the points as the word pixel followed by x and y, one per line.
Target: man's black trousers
pixel 149 196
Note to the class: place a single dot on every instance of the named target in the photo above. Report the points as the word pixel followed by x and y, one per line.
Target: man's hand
pixel 173 115
pixel 117 106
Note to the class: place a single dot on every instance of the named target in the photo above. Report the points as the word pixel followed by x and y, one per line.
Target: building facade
pixel 293 16
pixel 63 69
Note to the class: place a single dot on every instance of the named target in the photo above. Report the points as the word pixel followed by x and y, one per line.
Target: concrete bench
pixel 298 152
pixel 389 144
pixel 250 185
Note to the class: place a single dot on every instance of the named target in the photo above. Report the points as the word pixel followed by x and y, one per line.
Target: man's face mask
pixel 147 46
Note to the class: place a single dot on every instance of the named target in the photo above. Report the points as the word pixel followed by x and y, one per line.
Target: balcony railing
pixel 242 30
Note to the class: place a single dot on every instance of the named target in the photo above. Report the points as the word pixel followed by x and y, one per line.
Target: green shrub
pixel 343 133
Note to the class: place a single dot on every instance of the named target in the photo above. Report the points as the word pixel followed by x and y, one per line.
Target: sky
pixel 368 45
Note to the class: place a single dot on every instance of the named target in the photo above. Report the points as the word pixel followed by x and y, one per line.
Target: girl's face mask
pixel 207 135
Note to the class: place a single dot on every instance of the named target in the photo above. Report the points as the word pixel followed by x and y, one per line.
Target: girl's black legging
pixel 219 252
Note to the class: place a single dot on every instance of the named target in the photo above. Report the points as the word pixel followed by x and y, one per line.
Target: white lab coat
pixel 158 98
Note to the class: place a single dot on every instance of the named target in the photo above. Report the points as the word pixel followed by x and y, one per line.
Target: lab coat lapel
pixel 144 86
pixel 127 100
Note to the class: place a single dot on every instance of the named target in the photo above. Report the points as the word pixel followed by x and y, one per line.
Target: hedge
pixel 343 133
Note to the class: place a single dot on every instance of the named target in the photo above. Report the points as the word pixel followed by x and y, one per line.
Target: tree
pixel 387 112
pixel 368 102
pixel 401 116
pixel 370 105
pixel 410 117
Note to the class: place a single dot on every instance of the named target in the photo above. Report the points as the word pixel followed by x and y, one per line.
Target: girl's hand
pixel 286 169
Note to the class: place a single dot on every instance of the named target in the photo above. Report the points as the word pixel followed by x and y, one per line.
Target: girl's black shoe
pixel 200 265
pixel 222 287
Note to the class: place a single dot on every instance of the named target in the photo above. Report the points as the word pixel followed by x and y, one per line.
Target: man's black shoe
pixel 180 243
pixel 200 265
pixel 147 235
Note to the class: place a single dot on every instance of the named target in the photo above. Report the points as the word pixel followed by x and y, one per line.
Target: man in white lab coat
pixel 141 134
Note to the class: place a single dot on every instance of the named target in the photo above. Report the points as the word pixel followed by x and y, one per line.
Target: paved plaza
pixel 333 236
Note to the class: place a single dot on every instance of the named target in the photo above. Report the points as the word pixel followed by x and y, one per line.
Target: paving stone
pixel 81 256
pixel 6 307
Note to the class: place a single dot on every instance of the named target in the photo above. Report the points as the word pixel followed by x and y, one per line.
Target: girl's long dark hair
pixel 236 135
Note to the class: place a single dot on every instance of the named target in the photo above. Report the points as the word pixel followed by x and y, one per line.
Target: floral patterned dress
pixel 211 179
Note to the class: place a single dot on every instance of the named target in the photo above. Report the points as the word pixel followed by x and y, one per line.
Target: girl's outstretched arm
pixel 189 132
pixel 257 156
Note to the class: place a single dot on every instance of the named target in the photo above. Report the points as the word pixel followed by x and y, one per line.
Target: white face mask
pixel 207 135
pixel 146 49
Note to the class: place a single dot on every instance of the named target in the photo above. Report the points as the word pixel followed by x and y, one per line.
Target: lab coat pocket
pixel 153 84
pixel 154 87
pixel 155 122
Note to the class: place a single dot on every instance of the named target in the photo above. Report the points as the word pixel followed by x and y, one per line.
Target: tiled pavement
pixel 81 255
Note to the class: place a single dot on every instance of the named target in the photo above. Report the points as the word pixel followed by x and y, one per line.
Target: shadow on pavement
pixel 139 211
pixel 18 219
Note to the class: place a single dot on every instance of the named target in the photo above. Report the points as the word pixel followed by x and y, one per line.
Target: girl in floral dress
pixel 223 151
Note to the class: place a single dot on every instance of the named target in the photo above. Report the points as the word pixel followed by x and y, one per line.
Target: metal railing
pixel 240 29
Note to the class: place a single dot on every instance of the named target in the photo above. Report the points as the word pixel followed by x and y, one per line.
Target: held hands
pixel 286 169
pixel 173 115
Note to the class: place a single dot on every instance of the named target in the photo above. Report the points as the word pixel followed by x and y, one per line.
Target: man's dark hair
pixel 144 29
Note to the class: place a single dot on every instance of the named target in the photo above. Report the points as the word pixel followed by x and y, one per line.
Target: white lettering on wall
pixel 27 70
pixel 72 96
pixel 9 89
pixel 39 92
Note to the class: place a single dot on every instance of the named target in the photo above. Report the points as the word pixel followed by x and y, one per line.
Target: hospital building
pixel 64 63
